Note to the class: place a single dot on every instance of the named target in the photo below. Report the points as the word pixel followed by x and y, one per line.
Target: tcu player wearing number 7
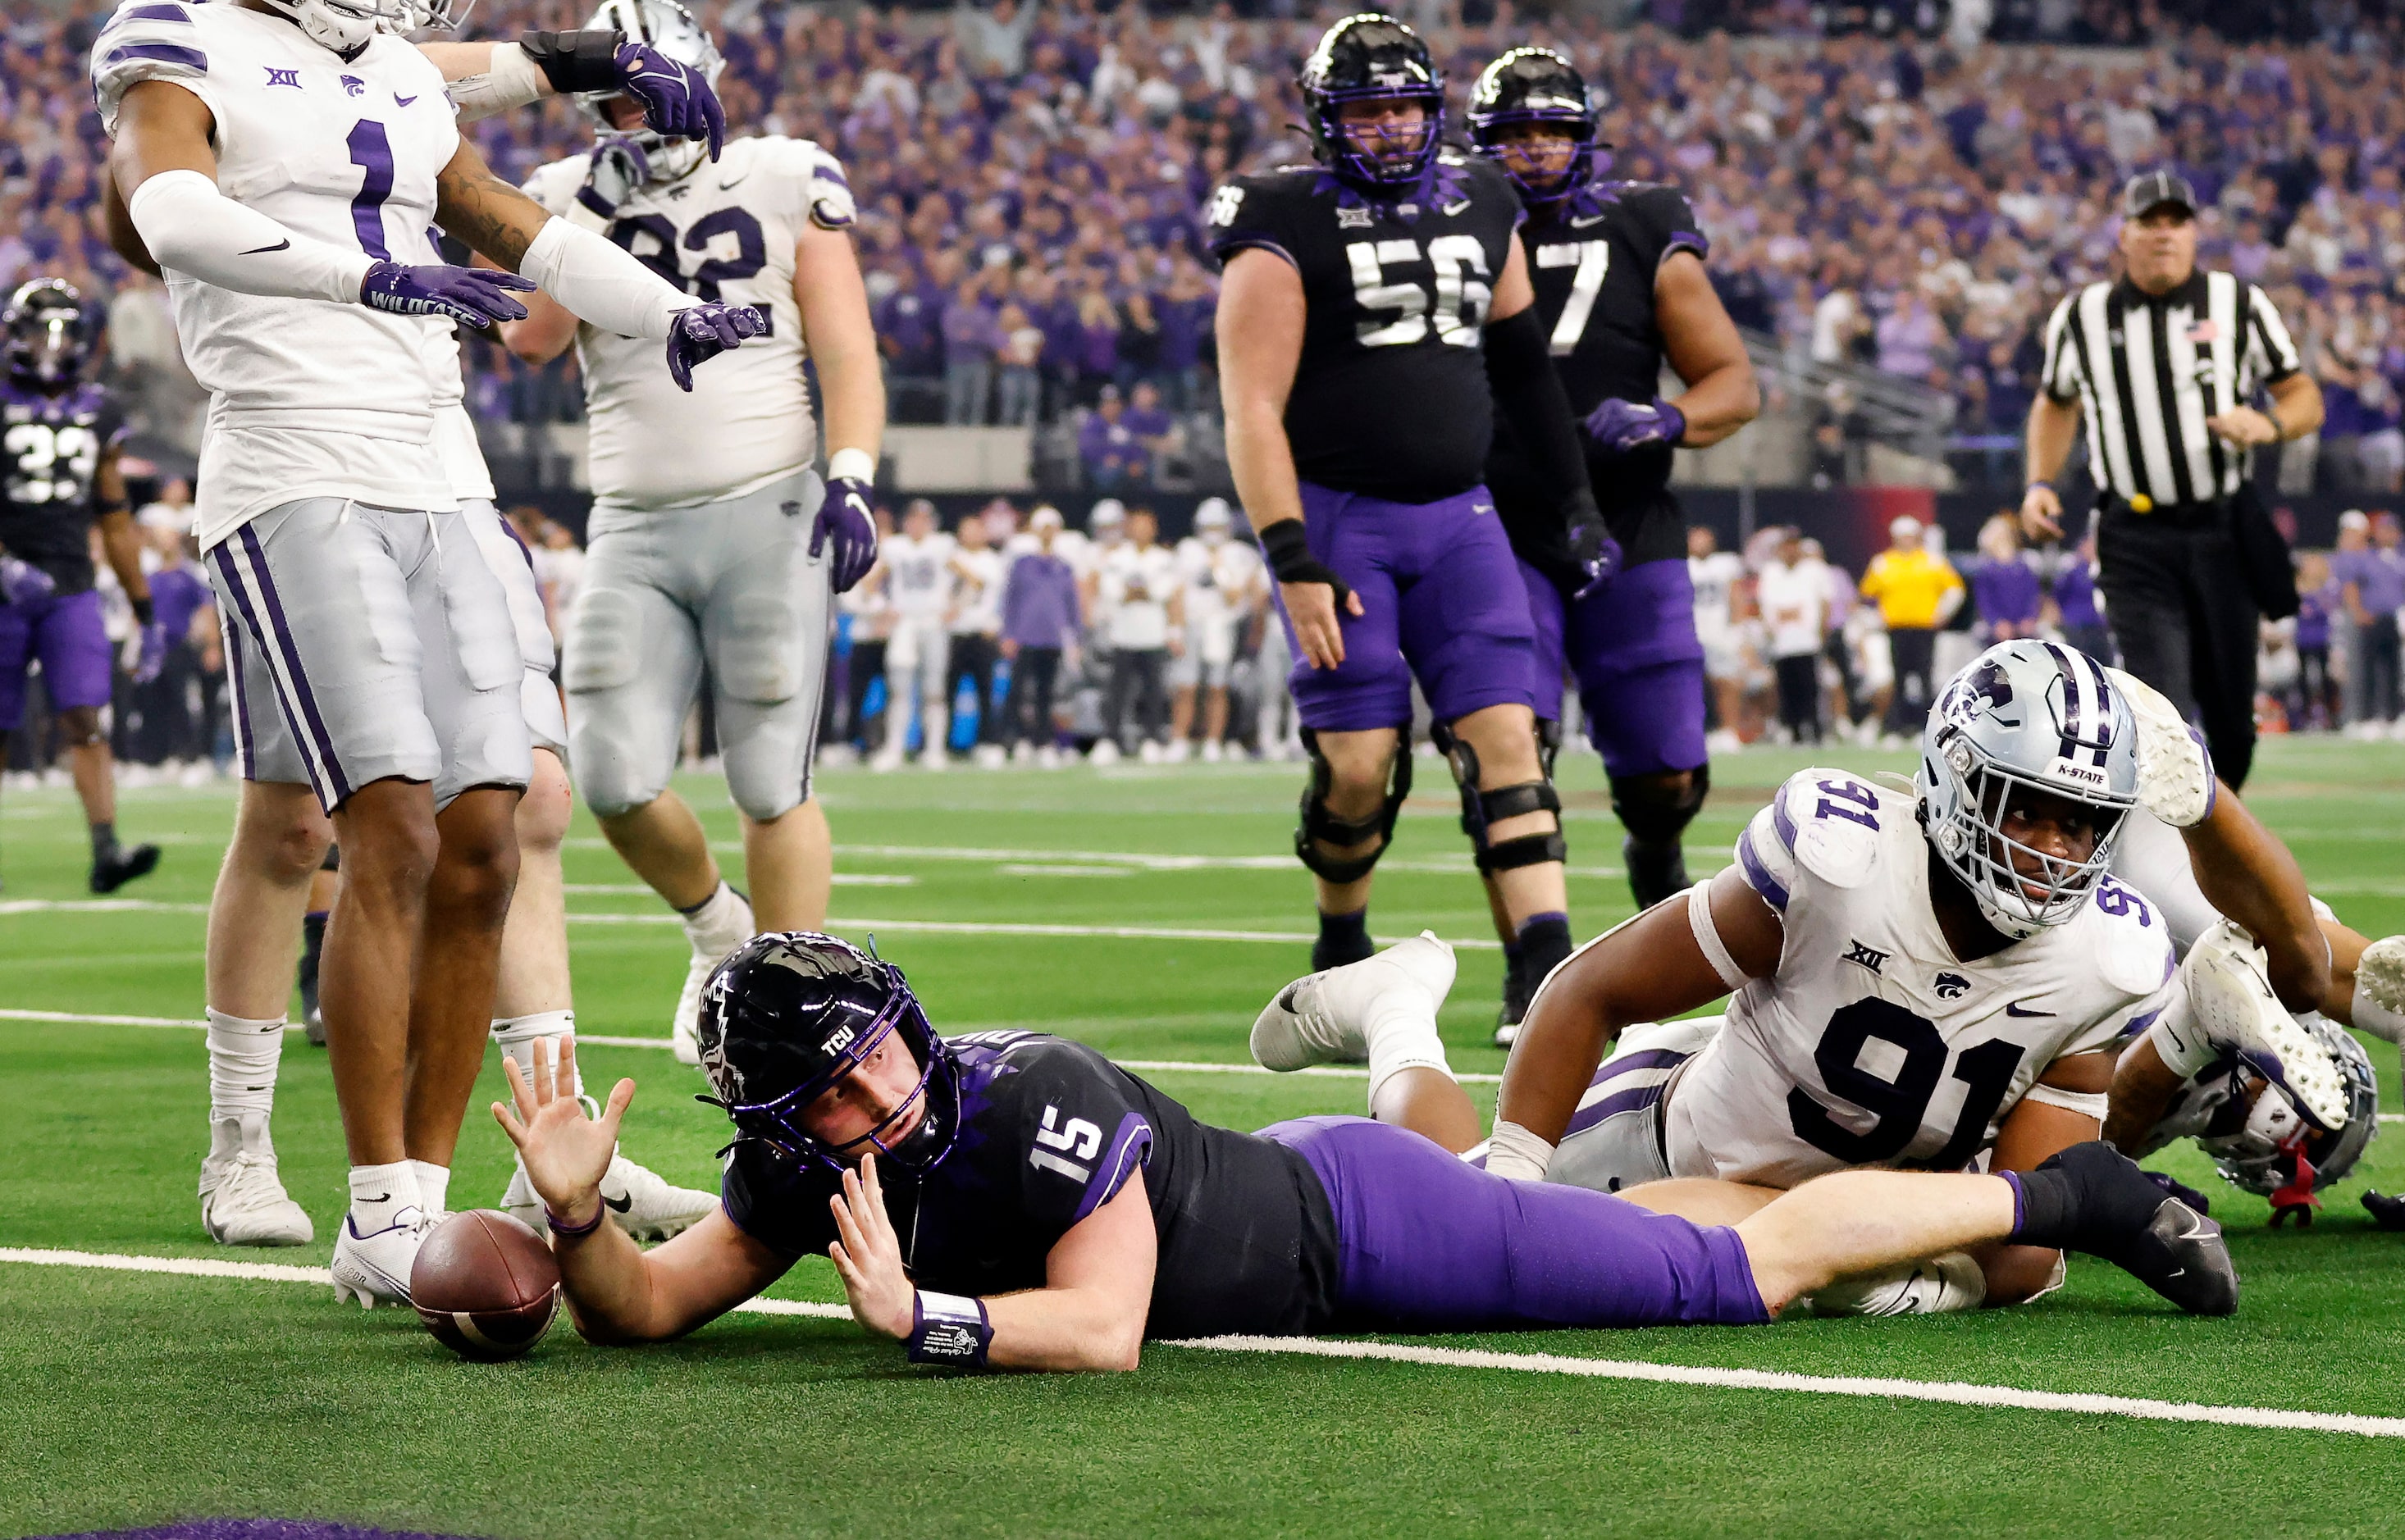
pixel 1375 311
pixel 1618 269
pixel 323 500
pixel 711 538
pixel 1936 979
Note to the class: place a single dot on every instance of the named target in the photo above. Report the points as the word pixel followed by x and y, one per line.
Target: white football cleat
pixel 2380 980
pixel 375 1268
pixel 2175 773
pixel 647 1206
pixel 1323 1019
pixel 244 1203
pixel 1941 1286
pixel 2230 995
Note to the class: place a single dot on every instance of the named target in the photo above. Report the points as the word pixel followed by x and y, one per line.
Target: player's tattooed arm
pixel 494 218
pixel 1653 968
pixel 1705 349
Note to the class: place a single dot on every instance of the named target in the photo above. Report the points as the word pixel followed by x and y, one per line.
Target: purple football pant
pixel 1440 599
pixel 1632 648
pixel 67 633
pixel 1428 1243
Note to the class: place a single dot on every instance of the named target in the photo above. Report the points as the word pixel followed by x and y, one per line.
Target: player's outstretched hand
pixel 475 295
pixel 869 1257
pixel 1621 426
pixel 701 332
pixel 677 99
pixel 151 657
pixel 565 1152
pixel 21 582
pixel 846 522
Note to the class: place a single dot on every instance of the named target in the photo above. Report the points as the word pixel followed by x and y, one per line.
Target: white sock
pixel 380 1192
pixel 433 1185
pixel 517 1036
pixel 243 1057
pixel 720 924
pixel 2378 1020
pixel 1401 1035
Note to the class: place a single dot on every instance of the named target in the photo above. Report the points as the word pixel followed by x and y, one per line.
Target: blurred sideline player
pixel 1714 574
pixel 1015 1200
pixel 1224 586
pixel 1935 980
pixel 712 539
pixel 1619 273
pixel 1376 308
pixel 62 438
pixel 914 572
pixel 392 666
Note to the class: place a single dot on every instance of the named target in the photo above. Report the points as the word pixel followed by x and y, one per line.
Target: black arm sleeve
pixel 1520 371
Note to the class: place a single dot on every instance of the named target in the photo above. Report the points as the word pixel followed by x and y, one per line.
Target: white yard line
pixel 1949 1392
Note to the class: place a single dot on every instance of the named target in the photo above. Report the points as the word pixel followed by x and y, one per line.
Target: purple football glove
pixel 21 583
pixel 1593 550
pixel 845 520
pixel 1621 426
pixel 478 296
pixel 702 333
pixel 677 100
pixel 153 655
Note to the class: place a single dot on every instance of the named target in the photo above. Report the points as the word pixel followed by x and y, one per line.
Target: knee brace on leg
pixel 1482 810
pixel 1655 817
pixel 1320 826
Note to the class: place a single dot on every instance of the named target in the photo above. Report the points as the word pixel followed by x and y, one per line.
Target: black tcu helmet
pixel 1534 86
pixel 792 1011
pixel 46 338
pixel 1367 57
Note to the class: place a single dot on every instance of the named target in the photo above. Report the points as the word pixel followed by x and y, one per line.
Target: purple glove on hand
pixel 21 583
pixel 701 332
pixel 1621 426
pixel 844 519
pixel 153 655
pixel 677 100
pixel 1593 550
pixel 478 296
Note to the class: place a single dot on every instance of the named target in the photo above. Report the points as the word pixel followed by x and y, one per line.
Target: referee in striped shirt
pixel 2162 363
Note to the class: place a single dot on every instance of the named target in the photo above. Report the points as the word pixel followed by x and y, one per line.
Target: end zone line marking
pixel 1951 1392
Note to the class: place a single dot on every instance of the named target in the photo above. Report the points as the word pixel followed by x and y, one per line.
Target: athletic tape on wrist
pixel 853 465
pixel 1514 1151
pixel 949 1329
pixel 2086 1103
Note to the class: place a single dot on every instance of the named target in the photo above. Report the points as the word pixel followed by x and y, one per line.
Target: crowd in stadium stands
pixel 1031 175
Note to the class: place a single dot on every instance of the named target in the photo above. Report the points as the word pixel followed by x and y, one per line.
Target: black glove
pixel 1289 557
pixel 2182 1191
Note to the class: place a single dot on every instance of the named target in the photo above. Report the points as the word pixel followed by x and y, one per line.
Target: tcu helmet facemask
pixel 1534 86
pixel 1372 58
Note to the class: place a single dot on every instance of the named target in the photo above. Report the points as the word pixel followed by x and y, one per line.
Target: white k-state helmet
pixel 671 29
pixel 346 26
pixel 2259 1140
pixel 2025 714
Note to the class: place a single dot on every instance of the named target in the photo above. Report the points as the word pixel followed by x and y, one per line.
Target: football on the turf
pixel 485 1286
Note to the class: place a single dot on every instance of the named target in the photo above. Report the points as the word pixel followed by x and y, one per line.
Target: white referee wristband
pixel 852 465
pixel 510 80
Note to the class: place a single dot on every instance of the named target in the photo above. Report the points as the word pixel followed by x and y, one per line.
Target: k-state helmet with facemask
pixel 1534 86
pixel 1370 57
pixel 789 1014
pixel 2025 716
pixel 643 153
pixel 2259 1139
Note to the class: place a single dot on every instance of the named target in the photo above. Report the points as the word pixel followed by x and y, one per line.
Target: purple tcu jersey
pixel 50 449
pixel 1390 397
pixel 1592 258
pixel 1049 1131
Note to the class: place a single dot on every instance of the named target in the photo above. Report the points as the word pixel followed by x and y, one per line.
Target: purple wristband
pixel 949 1329
pixel 600 1212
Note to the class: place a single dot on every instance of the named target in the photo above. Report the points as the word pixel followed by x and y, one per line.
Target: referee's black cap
pixel 2154 189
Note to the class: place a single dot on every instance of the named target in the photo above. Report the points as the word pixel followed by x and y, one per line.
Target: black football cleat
pixel 122 866
pixel 2121 1215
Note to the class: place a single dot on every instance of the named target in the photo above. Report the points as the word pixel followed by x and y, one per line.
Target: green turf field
pixel 129 1399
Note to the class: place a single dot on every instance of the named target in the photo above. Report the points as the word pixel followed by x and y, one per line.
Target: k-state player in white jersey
pixel 1934 979
pixel 711 537
pixel 275 158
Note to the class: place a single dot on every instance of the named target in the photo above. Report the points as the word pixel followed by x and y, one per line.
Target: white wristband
pixel 1515 1152
pixel 853 464
pixel 511 81
pixel 595 280
pixel 1708 937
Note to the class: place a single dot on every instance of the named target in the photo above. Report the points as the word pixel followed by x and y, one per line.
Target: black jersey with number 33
pixel 50 449
pixel 1390 397
pixel 1594 259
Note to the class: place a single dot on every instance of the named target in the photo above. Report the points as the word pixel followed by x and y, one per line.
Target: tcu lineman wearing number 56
pixel 1376 311
pixel 711 537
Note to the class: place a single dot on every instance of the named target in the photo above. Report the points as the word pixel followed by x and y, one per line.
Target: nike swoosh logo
pixel 257 251
pixel 1589 219
pixel 723 186
pixel 618 1205
pixel 401 100
pixel 2014 1008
